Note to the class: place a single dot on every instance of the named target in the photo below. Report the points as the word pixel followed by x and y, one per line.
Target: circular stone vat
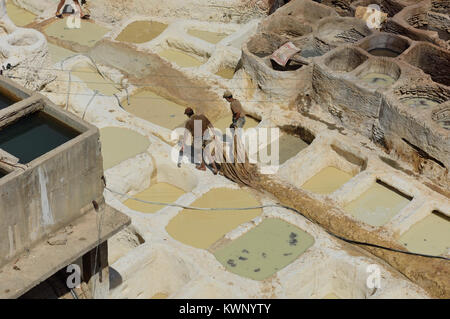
pixel 25 39
pixel 327 181
pixel 431 60
pixel 378 79
pixel 208 36
pixel 288 27
pixel 386 45
pixel 88 34
pixel 311 47
pixel 156 109
pixel 345 60
pixel 380 73
pixel 442 117
pixel 265 249
pixel 424 97
pixel 201 229
pixel 120 144
pixel 418 102
pixel 338 31
pixel 180 58
pixel 157 192
pixel 378 204
pixel 141 31
pixel 263 45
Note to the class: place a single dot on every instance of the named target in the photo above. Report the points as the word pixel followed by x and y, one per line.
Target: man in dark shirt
pixel 77 4
pixel 190 127
pixel 237 110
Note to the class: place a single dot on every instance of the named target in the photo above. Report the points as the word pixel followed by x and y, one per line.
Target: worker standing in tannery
pixel 193 120
pixel 237 110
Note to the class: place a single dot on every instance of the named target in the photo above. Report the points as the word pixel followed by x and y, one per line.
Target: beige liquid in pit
pixel 327 181
pixel 430 236
pixel 289 146
pixel 226 73
pixel 180 58
pixel 119 144
pixel 158 192
pixel 58 53
pixel 95 81
pixel 331 296
pixel 201 229
pixel 141 31
pixel 377 205
pixel 378 79
pixel 88 34
pixel 19 16
pixel 160 295
pixel 156 109
pixel 212 37
pixel 224 122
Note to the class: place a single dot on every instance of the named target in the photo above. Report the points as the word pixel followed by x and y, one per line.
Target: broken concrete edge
pixel 44 260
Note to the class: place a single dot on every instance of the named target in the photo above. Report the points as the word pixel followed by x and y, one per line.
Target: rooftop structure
pixel 51 187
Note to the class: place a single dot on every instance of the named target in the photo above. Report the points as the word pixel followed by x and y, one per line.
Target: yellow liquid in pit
pixel 226 73
pixel 225 122
pixel 429 236
pixel 201 229
pixel 58 53
pixel 141 31
pixel 95 81
pixel 331 296
pixel 156 109
pixel 180 58
pixel 265 249
pixel 159 192
pixel 88 34
pixel 119 144
pixel 327 181
pixel 19 16
pixel 212 37
pixel 160 295
pixel 288 147
pixel 378 79
pixel 377 205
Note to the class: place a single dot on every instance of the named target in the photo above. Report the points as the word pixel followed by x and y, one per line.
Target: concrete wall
pixel 52 191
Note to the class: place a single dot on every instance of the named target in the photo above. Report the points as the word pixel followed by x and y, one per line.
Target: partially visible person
pixel 190 129
pixel 238 118
pixel 77 4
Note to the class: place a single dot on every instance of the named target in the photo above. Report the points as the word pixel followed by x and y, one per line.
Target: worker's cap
pixel 227 94
pixel 188 111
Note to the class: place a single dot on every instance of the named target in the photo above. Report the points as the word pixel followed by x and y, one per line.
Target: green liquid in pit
pixel 33 136
pixel 377 205
pixel 265 249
